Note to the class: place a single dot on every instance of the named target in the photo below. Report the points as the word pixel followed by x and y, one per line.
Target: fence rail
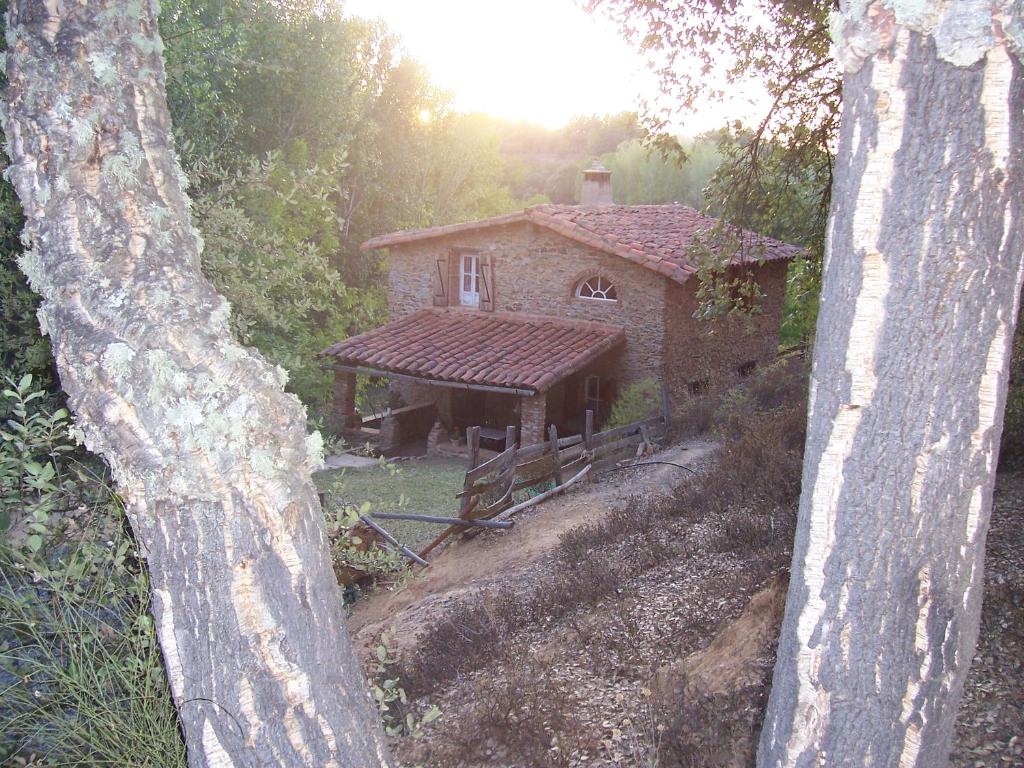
pixel 489 487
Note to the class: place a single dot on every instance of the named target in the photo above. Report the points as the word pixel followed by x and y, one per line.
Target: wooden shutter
pixel 486 287
pixel 442 287
pixel 454 278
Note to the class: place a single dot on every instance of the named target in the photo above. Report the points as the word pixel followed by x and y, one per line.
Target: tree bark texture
pixel 920 293
pixel 208 452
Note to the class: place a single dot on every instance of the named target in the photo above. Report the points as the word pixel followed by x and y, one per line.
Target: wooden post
pixel 588 437
pixel 553 435
pixel 510 436
pixel 666 412
pixel 473 444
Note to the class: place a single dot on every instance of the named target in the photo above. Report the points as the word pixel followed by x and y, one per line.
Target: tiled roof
pixel 658 237
pixel 484 348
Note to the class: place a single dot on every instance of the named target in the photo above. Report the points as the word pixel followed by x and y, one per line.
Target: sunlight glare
pixel 541 61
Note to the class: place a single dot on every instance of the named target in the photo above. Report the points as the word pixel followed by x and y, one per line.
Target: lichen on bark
pixel 963 30
pixel 208 452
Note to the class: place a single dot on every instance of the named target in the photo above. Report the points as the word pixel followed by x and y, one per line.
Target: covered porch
pixel 489 370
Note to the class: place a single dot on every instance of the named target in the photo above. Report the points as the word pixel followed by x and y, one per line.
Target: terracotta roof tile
pixel 649 235
pixel 471 347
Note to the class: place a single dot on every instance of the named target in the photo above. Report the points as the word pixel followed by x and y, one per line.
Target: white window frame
pixel 470 297
pixel 597 284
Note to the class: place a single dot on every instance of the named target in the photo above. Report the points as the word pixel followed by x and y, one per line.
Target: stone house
pixel 533 317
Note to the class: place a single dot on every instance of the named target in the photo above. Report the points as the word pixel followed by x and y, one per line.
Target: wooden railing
pixel 488 492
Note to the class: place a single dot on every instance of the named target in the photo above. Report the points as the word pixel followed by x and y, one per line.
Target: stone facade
pixel 536 271
pixel 533 419
pixel 343 415
pixel 709 354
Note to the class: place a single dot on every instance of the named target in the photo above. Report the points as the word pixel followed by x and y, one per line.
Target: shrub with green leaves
pixel 34 445
pixel 80 670
pixel 390 696
pixel 636 402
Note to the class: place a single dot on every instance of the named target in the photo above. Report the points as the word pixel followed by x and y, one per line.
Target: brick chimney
pixel 597 185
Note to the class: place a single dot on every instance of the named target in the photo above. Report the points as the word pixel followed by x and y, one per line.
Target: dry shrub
pixel 576 544
pixel 464 639
pixel 639 516
pixel 695 418
pixel 584 585
pixel 760 469
pixel 728 413
pixel 708 731
pixel 522 715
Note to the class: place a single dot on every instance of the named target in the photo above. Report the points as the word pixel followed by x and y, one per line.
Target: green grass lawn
pixel 422 486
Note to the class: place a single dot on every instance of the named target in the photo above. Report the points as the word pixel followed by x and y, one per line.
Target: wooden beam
pixel 429 382
pixel 588 436
pixel 542 497
pixel 553 437
pixel 408 553
pixel 628 429
pixel 473 445
pixel 493 463
pixel 441 520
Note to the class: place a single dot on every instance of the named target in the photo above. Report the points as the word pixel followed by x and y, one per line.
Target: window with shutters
pixel 465 277
pixel 469 280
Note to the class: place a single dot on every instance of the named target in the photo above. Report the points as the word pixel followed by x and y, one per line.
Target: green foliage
pixel 800 311
pixel 776 170
pixel 270 232
pixel 636 402
pixel 80 667
pixel 35 479
pixel 349 552
pixel 390 696
pixel 643 176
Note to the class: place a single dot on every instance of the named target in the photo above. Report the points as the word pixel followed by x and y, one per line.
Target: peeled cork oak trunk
pixel 208 452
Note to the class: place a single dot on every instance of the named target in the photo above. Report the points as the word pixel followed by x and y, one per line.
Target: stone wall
pixel 533 419
pixel 713 351
pixel 536 272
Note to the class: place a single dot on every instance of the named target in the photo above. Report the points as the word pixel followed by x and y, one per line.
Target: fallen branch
pixel 649 463
pixel 440 520
pixel 409 554
pixel 546 495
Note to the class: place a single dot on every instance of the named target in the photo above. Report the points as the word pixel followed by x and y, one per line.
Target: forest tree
pixel 208 453
pixel 920 294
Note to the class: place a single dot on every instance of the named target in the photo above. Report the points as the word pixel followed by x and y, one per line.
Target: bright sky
pixel 537 60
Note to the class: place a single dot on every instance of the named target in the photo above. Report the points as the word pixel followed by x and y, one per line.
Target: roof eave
pixel 413 235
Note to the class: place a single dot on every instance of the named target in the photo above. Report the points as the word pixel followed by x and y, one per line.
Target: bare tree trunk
pixel 208 452
pixel 921 287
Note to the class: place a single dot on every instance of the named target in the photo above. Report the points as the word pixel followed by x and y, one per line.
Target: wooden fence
pixel 489 489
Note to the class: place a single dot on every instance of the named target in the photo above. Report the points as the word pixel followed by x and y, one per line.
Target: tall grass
pixel 81 677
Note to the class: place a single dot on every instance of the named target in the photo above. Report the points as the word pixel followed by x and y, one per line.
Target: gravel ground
pixel 990 725
pixel 576 690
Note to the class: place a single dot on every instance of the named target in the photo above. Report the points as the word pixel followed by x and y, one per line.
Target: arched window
pixel 598 288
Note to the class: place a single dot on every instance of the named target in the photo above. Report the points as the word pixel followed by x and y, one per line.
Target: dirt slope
pixel 502 556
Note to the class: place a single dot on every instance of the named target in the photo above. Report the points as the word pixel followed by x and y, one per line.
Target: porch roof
pixel 473 348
